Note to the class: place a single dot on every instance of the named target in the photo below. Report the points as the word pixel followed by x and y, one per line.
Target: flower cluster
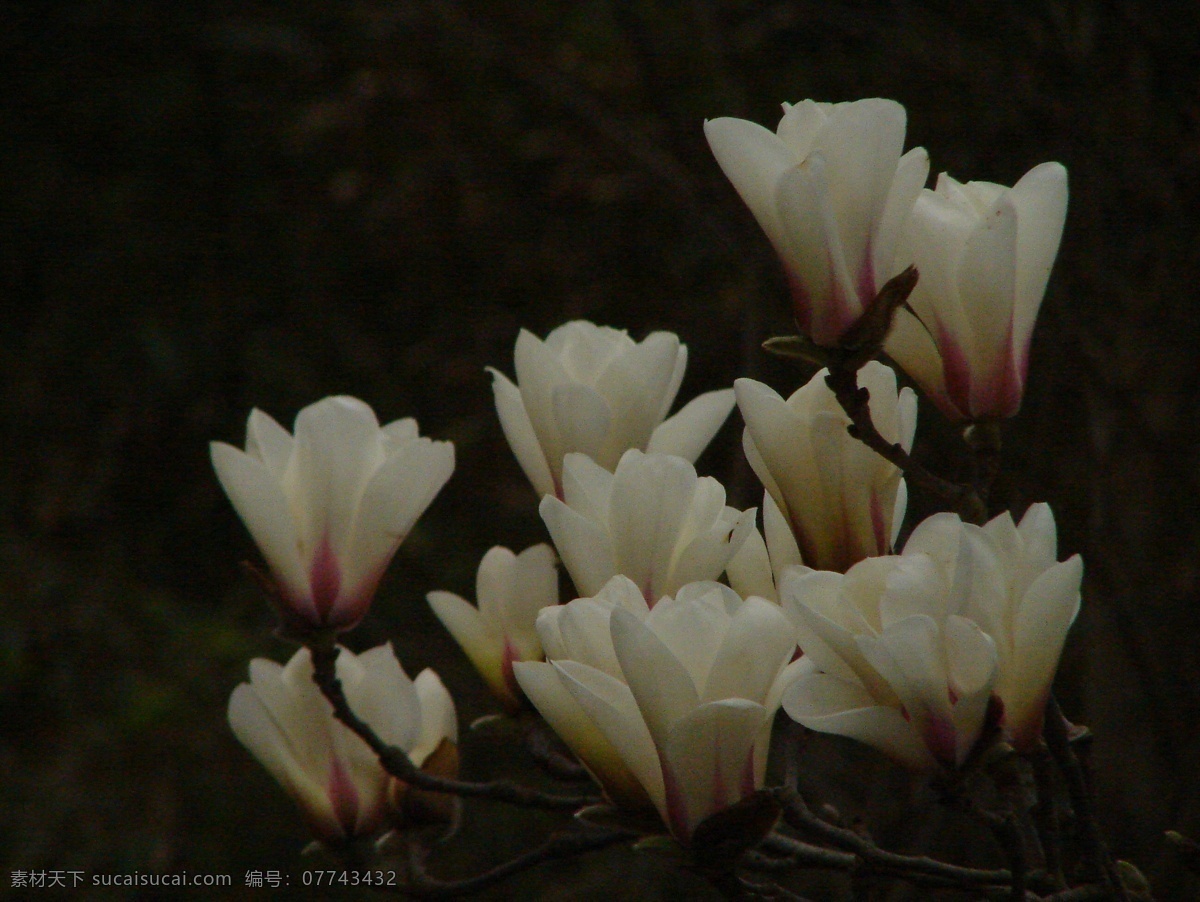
pixel 663 681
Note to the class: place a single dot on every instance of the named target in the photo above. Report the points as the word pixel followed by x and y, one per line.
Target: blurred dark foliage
pixel 206 207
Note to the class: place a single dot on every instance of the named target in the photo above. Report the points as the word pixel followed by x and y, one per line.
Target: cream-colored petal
pixel 439 720
pixel 689 431
pixel 658 680
pixel 483 645
pixel 263 507
pixel 753 159
pixel 583 545
pixel 518 430
pixel 269 443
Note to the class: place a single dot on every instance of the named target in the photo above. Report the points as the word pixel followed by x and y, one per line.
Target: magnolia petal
pixel 481 644
pixel 758 644
pixel 255 728
pixel 753 158
pixel 583 418
pixel 1041 201
pixel 269 443
pixel 610 705
pixel 1039 633
pixel 382 694
pixel 260 502
pixel 534 586
pixel 519 432
pixel 662 686
pixel 689 431
pixel 827 704
pixel 392 501
pixel 749 570
pixel 583 545
pixel 907 181
pixel 439 720
pixel 337 449
pixel 709 758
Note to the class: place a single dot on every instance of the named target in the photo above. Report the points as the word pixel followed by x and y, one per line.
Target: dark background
pixel 206 207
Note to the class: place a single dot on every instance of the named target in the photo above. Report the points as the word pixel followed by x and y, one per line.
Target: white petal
pixel 662 687
pixel 583 545
pixel 263 507
pixel 689 431
pixel 518 429
pixel 753 159
pixel 1041 201
pixel 268 442
pixel 827 704
pixel 439 720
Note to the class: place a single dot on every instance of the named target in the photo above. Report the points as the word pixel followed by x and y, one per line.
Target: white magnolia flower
pixel 579 632
pixel 684 692
pixel 281 717
pixel 984 253
pixel 329 507
pixel 653 520
pixel 832 191
pixel 511 589
pixel 842 500
pixel 888 661
pixel 593 390
pixel 1018 592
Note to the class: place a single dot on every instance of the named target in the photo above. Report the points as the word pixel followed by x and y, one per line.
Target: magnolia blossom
pixel 593 390
pixel 888 662
pixel 1016 590
pixel 842 500
pixel 281 717
pixel 653 520
pixel 832 191
pixel 907 650
pixel 684 692
pixel 579 632
pixel 511 589
pixel 984 252
pixel 329 506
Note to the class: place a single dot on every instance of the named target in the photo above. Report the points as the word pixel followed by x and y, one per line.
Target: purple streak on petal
pixel 343 798
pixel 956 370
pixel 325 580
pixel 942 740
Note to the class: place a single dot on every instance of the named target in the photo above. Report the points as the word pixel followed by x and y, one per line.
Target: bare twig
pixel 1095 849
pixel 422 885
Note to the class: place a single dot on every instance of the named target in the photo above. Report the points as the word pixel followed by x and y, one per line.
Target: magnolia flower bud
pixel 832 191
pixel 984 253
pixel 329 506
pixel 653 520
pixel 343 792
pixel 684 692
pixel 593 390
pixel 842 500
pixel 511 589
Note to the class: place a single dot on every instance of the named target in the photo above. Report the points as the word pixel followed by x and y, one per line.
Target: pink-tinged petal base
pixel 343 798
pixel 975 396
pixel 513 701
pixel 325 580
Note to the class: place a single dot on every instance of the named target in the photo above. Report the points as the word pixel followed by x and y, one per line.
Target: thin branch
pixel 918 869
pixel 1095 849
pixel 397 763
pixel 422 885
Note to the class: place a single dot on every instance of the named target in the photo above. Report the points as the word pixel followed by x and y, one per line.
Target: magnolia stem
pixel 1095 849
pixel 422 885
pixel 397 763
